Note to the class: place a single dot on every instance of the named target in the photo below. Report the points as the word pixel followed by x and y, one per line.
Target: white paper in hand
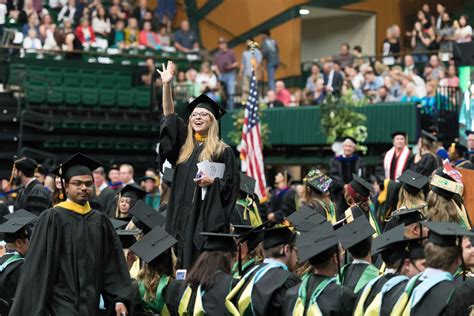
pixel 211 169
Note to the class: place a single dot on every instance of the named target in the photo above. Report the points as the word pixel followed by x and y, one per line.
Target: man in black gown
pixel 75 255
pixel 33 197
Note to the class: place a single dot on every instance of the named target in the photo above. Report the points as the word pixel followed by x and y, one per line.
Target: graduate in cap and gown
pixel 16 234
pixel 250 249
pixel 156 287
pixel 412 219
pixel 431 292
pixel 356 238
pixel 398 158
pixel 427 160
pixel 75 254
pixel 246 211
pixel 403 258
pixel 189 212
pixel 127 197
pixel 33 196
pixel 319 293
pixel 411 193
pixel 210 280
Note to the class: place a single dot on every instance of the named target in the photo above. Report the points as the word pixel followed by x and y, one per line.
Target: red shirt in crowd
pixel 284 96
pixel 81 35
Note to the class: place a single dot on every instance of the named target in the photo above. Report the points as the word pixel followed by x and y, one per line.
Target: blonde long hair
pixel 213 146
pixel 409 200
pixel 441 209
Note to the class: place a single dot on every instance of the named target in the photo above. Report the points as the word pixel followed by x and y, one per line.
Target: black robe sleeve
pixel 39 199
pixel 288 205
pixel 172 137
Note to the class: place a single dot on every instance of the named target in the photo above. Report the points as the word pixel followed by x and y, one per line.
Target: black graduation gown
pixel 436 301
pixel 463 296
pixel 335 300
pixel 214 298
pixel 72 259
pixel 428 163
pixel 376 288
pixel 170 294
pixel 35 198
pixel 187 214
pixel 391 298
pixel 107 200
pixel 352 275
pixel 284 203
pixel 9 278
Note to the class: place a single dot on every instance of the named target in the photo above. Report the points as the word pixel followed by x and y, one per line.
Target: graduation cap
pixel 127 237
pixel 389 238
pixel 168 176
pixel 117 223
pixel 26 165
pixel 395 246
pixel 133 191
pixel 444 185
pixel 16 228
pixel 428 136
pixel 468 132
pixel 318 240
pixel 247 184
pixel 318 180
pixel 153 244
pixel 147 214
pixel 361 186
pixel 412 181
pixel 354 232
pixel 77 165
pixel 219 242
pixel 407 216
pixel 42 170
pixel 399 133
pixel 276 236
pixel 20 213
pixel 447 234
pixel 306 218
pixel 249 234
pixel 114 167
pixel 203 101
pixel 352 139
pixel 145 178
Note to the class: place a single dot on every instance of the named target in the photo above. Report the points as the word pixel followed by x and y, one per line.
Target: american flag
pixel 251 145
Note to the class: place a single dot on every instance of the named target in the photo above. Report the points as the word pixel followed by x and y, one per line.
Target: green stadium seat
pixel 124 127
pixel 88 144
pixel 89 125
pixel 106 126
pixel 141 146
pixel 55 94
pixel 90 96
pixel 17 75
pixel 123 146
pixel 107 97
pixel 106 145
pixel 123 80
pixel 71 125
pixel 141 127
pixel 125 98
pixel 54 76
pixel 37 74
pixel 52 144
pixel 36 92
pixel 107 79
pixel 70 144
pixel 72 95
pixel 142 98
pixel 89 78
pixel 71 77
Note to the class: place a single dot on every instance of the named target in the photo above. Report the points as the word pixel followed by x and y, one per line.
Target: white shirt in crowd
pixel 101 26
pixel 207 79
pixel 464 34
pixel 67 12
pixel 54 4
pixel 32 43
pixel 3 13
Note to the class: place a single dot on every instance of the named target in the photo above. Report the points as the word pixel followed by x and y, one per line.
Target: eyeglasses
pixel 200 114
pixel 79 184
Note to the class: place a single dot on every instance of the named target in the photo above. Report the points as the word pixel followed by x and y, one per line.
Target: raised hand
pixel 167 73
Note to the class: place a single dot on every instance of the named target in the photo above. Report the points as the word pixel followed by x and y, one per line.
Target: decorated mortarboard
pixel 20 213
pixel 318 180
pixel 147 214
pixel 428 136
pixel 247 184
pixel 412 181
pixel 306 218
pixel 354 232
pixel 16 228
pixel 446 234
pixel 26 165
pixel 203 101
pixel 407 216
pixel 128 237
pixel 399 133
pixel 77 165
pixel 133 191
pixel 278 235
pixel 445 185
pixel 252 236
pixel 316 241
pixel 153 244
pixel 168 176
pixel 219 241
pixel 361 186
pixel 117 224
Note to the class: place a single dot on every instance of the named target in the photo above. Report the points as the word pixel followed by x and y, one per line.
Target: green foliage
pixel 339 118
pixel 235 135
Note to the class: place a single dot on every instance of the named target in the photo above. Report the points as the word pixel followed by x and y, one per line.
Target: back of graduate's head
pixel 442 258
pixel 287 253
pixel 325 259
pixel 208 263
pixel 361 249
pixel 162 266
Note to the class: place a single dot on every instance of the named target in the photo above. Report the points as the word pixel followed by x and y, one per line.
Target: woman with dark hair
pixel 198 201
pixel 209 281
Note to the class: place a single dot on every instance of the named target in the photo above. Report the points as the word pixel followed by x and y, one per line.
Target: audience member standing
pixel 126 174
pixel 344 58
pixel 227 65
pixel 103 193
pixel 271 55
pixel 332 79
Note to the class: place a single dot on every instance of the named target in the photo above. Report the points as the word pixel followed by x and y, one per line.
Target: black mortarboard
pixel 16 228
pixel 117 223
pixel 389 238
pixel 352 139
pixel 114 167
pixel 412 181
pixel 145 178
pixel 407 216
pixel 26 165
pixel 203 101
pixel 428 136
pixel 395 246
pixel 340 223
pixel 153 244
pixel 219 242
pixel 318 180
pixel 354 232
pixel 312 243
pixel 77 165
pixel 276 236
pixel 168 176
pixel 247 184
pixel 42 170
pixel 127 237
pixel 361 186
pixel 133 191
pixel 402 133
pixel 468 132
pixel 446 234
pixel 20 213
pixel 147 214
pixel 306 218
pixel 252 236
